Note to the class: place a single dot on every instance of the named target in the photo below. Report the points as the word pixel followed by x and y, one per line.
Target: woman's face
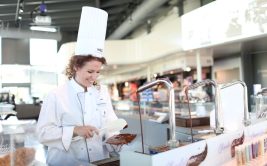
pixel 87 74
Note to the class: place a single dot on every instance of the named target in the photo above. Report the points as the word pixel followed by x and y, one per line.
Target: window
pixel 43 58
pixel 43 80
pixel 37 77
pixel 43 52
pixel 15 73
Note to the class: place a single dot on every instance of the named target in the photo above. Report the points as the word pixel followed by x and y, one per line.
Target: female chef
pixel 72 114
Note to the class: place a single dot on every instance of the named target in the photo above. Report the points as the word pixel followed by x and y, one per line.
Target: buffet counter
pixel 219 150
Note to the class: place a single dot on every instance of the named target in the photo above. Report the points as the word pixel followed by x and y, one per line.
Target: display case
pixel 19 145
pixel 158 112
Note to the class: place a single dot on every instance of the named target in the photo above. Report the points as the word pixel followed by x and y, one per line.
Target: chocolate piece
pixel 235 143
pixel 121 139
pixel 197 159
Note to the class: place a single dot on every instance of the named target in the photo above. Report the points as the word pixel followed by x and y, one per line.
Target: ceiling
pixel 65 14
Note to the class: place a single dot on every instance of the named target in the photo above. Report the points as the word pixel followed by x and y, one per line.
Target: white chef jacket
pixel 69 106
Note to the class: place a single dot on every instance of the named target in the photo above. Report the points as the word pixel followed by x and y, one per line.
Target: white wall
pixel 164 39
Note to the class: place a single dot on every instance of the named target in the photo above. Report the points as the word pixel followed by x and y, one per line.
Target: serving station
pixel 231 137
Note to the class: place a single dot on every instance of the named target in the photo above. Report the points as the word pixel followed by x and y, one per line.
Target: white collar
pixel 77 87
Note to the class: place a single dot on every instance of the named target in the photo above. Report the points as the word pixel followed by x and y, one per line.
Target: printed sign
pixel 146 96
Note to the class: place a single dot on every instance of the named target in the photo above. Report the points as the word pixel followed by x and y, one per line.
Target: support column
pixel 199 67
pixel 247 68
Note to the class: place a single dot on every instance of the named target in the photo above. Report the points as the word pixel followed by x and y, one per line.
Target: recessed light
pixel 42 28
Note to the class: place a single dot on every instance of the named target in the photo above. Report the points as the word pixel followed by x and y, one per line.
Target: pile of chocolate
pixel 121 139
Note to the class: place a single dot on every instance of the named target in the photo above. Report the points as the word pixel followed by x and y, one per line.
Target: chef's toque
pixel 92 32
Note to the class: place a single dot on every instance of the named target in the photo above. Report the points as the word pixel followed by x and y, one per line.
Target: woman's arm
pixel 49 128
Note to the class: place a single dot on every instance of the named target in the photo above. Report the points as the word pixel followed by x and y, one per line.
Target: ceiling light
pixel 42 28
pixel 187 68
pixel 21 10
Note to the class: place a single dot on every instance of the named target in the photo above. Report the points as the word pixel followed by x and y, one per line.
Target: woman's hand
pixel 85 131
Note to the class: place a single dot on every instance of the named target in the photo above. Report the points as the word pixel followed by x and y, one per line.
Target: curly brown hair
pixel 78 61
